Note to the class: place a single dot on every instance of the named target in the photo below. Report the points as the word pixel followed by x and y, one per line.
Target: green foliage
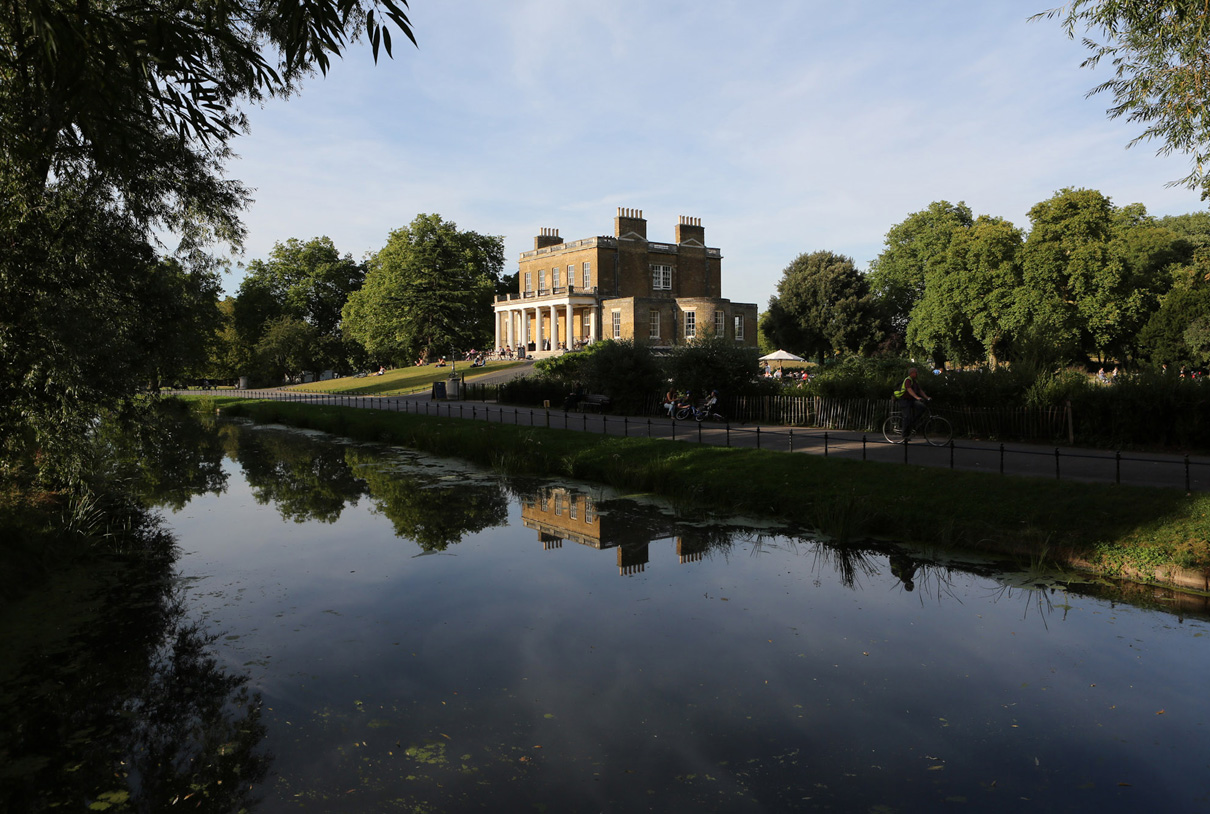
pixel 288 347
pixel 823 306
pixel 428 292
pixel 308 282
pixel 1093 273
pixel 913 247
pixel 1164 338
pixel 1160 76
pixel 712 363
pixel 116 123
pixel 626 371
pixel 965 312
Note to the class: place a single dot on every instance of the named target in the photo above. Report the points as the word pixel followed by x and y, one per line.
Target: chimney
pixel 630 220
pixel 690 229
pixel 548 237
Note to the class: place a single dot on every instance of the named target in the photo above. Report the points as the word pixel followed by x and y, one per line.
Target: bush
pixel 713 363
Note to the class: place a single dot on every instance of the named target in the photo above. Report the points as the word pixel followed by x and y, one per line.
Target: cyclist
pixel 911 401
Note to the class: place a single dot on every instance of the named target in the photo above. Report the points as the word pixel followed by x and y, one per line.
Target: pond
pixel 351 628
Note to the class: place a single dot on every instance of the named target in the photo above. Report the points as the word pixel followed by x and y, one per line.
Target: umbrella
pixel 780 356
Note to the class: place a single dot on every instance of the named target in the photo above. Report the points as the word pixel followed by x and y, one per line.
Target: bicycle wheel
pixel 892 429
pixel 937 431
pixel 682 414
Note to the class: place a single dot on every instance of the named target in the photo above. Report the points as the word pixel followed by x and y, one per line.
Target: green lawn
pixel 401 380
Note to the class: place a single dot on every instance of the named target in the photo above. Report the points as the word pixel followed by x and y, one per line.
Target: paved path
pixel 1190 473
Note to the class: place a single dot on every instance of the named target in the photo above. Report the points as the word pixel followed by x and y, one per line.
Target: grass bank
pixel 1126 531
pixel 401 380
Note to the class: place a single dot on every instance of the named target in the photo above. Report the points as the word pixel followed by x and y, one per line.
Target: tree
pixel 308 281
pixel 823 305
pixel 1161 75
pixel 288 347
pixel 966 310
pixel 1093 273
pixel 427 292
pixel 897 276
pixel 116 123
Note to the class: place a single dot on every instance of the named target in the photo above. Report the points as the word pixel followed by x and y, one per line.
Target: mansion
pixel 620 287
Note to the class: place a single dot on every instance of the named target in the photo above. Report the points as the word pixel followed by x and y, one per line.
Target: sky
pixel 787 126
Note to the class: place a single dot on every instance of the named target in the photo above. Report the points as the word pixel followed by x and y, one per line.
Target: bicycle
pixel 937 431
pixel 706 412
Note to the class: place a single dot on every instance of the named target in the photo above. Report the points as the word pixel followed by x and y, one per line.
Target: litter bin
pixel 451 388
pixel 438 390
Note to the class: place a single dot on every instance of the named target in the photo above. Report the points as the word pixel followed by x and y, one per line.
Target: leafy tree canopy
pixel 897 276
pixel 823 305
pixel 427 292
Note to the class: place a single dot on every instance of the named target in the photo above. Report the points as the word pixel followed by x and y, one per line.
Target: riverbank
pixel 1158 535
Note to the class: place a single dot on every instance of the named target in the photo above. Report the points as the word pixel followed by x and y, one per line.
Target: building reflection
pixel 559 514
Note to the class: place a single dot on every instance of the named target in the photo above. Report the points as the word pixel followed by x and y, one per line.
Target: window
pixel 587 274
pixel 571 276
pixel 739 326
pixel 542 280
pixel 527 282
pixel 617 324
pixel 572 509
pixel 558 506
pixel 720 327
pixel 661 278
pixel 690 324
pixel 590 511
pixel 587 332
pixel 655 324
pixel 554 278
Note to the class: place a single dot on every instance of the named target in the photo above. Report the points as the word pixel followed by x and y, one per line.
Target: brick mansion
pixel 620 287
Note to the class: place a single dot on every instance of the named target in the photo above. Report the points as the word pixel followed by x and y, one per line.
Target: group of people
pixel 792 375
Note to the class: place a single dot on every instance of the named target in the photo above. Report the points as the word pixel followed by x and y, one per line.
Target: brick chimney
pixel 630 220
pixel 548 237
pixel 690 229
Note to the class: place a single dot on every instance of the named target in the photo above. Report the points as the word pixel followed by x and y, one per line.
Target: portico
pixel 548 322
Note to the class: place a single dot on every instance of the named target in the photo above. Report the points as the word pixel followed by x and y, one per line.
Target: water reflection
pixel 113 699
pixel 580 651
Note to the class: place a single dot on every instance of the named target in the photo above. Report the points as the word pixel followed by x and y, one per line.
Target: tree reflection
pixel 434 513
pixel 303 478
pixel 165 459
pixel 114 700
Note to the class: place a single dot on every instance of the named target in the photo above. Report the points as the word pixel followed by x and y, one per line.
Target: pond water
pixel 354 628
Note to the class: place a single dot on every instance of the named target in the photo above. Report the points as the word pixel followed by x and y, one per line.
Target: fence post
pixel 951 445
pixel 905 446
pixel 699 432
pixel 548 418
pixel 825 444
pixel 758 437
pixel 625 426
pixel 1117 477
pixel 728 433
pixel 791 439
pixel 863 446
pixel 649 428
pixel 674 429
pixel 585 421
pixel 1187 489
pixel 1001 459
pixel 1071 432
pixel 1057 464
pixel 604 425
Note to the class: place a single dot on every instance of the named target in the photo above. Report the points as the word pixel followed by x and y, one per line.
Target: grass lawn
pixel 401 380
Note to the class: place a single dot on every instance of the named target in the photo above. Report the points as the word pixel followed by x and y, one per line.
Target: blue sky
pixel 787 126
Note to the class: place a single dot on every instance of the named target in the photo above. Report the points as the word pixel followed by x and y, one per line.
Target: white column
pixel 538 328
pixel 498 315
pixel 554 327
pixel 594 327
pixel 525 328
pixel 509 315
pixel 571 327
